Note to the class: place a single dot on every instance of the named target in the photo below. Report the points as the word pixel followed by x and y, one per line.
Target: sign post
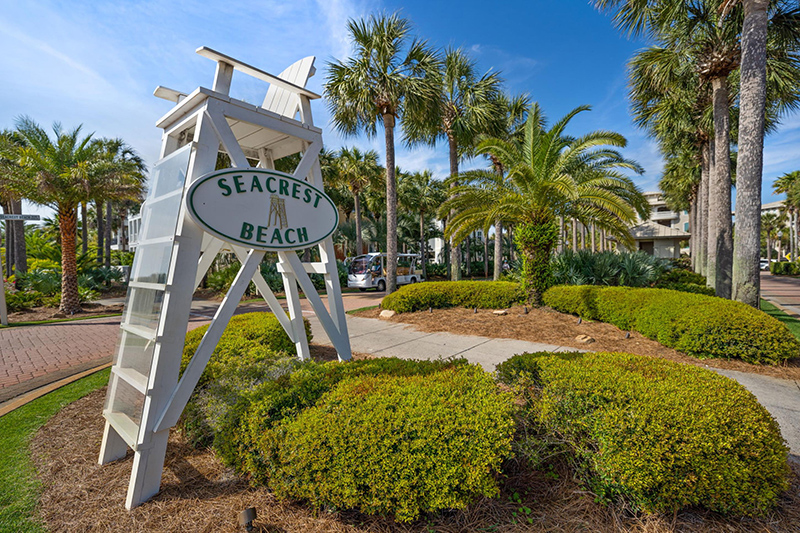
pixel 3 307
pixel 192 212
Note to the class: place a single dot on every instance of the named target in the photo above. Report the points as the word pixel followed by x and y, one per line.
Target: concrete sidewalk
pixel 781 397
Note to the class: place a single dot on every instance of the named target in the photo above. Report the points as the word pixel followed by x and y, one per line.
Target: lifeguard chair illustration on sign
pixel 193 212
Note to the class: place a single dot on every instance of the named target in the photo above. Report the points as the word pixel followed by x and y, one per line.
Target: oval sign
pixel 263 209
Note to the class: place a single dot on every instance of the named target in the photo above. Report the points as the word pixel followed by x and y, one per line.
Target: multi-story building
pixel 667 232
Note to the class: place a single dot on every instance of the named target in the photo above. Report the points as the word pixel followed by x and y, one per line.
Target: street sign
pixel 19 217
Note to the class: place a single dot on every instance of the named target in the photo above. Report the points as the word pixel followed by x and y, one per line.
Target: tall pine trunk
pixel 391 206
pixel 720 242
pixel 67 221
pixel 750 162
pixel 455 249
pixel 498 249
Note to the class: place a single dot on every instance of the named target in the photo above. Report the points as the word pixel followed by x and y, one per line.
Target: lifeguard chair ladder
pixel 145 396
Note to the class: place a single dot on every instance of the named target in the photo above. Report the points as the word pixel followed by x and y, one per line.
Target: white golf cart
pixel 369 271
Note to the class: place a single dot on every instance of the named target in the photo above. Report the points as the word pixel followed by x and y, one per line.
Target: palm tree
pixel 789 184
pixel 422 194
pixel 467 107
pixel 58 171
pixel 355 170
pixel 386 78
pixel 510 122
pixel 771 224
pixel 117 175
pixel 551 174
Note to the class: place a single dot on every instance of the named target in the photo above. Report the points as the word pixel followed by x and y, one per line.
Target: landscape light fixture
pixel 525 312
pixel 246 518
pixel 580 319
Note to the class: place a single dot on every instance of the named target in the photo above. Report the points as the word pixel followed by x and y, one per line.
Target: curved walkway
pixel 781 397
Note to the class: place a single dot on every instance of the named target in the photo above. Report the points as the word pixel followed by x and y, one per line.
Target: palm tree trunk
pixel 485 256
pixel 423 245
pixel 359 240
pixel 594 246
pixel 574 235
pixel 107 229
pixel 750 163
pixel 498 249
pixel 68 221
pixel 98 210
pixel 84 228
pixel 455 249
pixel 769 251
pixel 602 240
pixel 720 242
pixel 702 213
pixel 391 206
pixel 469 256
pixel 20 249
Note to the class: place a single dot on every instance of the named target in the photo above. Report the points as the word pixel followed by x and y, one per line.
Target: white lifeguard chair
pixel 145 396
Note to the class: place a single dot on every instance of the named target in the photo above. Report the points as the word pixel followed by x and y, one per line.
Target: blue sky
pixel 97 63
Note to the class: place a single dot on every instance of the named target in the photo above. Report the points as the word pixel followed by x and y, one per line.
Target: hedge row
pixel 282 422
pixel 785 268
pixel 699 325
pixel 661 435
pixel 443 294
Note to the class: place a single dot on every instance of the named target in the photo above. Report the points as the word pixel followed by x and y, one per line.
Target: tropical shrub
pixel 444 294
pixel 632 269
pixel 391 445
pixel 684 280
pixel 436 270
pixel 661 435
pixel 21 300
pixel 47 282
pixel 699 325
pixel 248 338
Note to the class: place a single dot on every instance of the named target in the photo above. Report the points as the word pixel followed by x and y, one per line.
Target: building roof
pixel 649 230
pixel 772 205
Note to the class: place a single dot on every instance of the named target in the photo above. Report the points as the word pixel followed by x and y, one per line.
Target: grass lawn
pixel 19 488
pixel 789 321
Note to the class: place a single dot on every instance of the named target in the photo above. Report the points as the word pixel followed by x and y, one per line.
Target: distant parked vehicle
pixel 765 265
pixel 369 271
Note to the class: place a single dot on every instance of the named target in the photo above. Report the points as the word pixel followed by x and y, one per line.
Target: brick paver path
pixel 32 356
pixel 782 290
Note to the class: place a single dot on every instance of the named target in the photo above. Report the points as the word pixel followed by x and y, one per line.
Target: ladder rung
pixel 133 377
pixel 140 331
pixel 147 285
pixel 124 426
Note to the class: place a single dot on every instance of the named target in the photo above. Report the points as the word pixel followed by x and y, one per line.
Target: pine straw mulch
pixel 548 326
pixel 88 310
pixel 199 494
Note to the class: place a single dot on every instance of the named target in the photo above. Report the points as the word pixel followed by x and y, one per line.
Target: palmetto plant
pixel 550 174
pixel 467 107
pixel 630 269
pixel 389 76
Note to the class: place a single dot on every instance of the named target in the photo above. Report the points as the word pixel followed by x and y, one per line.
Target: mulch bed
pixel 547 326
pixel 198 493
pixel 36 314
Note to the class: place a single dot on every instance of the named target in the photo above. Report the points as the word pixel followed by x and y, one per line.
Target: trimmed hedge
pixel 248 338
pixel 661 435
pixel 784 268
pixel 699 325
pixel 392 445
pixel 443 294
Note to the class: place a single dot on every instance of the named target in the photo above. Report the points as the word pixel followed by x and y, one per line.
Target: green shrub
pixel 443 294
pixel 699 325
pixel 20 300
pixel 681 275
pixel 397 446
pixel 247 338
pixel 785 268
pixel 661 435
pixel 687 287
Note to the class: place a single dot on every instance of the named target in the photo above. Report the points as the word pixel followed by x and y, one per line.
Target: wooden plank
pixel 254 72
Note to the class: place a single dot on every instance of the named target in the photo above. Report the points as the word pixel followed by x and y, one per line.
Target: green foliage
pixel 47 282
pixel 248 338
pixel 633 269
pixel 536 240
pixel 436 270
pixel 443 294
pixel 661 435
pixel 785 268
pixel 394 445
pixel 684 280
pixel 699 325
pixel 21 300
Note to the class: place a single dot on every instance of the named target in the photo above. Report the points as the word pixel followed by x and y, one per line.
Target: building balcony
pixel 664 215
